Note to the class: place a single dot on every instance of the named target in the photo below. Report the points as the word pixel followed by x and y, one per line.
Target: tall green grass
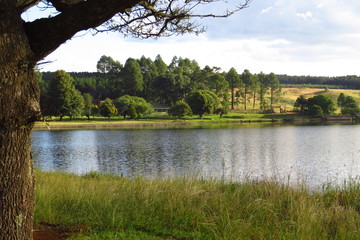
pixel 108 207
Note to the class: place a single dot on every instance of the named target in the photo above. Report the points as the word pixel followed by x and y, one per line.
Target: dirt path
pixel 47 231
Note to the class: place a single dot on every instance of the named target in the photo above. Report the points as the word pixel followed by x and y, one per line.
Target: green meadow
pixel 97 206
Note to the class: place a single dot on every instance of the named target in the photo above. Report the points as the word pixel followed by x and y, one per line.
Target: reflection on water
pixel 314 154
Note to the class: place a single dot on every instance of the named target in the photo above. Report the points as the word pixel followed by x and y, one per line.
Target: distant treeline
pixel 344 82
pixel 156 82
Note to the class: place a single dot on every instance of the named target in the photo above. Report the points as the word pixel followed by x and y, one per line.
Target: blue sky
pixel 307 37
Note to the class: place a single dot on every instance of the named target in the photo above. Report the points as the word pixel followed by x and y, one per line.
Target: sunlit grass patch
pixel 112 207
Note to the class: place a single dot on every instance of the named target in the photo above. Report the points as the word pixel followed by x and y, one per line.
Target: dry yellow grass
pixel 291 94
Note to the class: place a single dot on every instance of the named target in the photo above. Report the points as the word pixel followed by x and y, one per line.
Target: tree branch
pixel 23 5
pixel 137 18
pixel 63 5
pixel 47 34
pixel 164 18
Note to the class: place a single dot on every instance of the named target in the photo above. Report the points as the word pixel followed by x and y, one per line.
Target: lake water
pixel 311 154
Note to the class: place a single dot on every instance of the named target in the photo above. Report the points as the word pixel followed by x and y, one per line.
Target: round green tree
pixel 324 102
pixel 63 98
pixel 107 108
pixel 180 110
pixel 202 102
pixel 341 100
pixel 95 110
pixel 126 102
pixel 132 112
pixel 88 102
pixel 350 107
pixel 76 105
pixel 315 111
pixel 301 102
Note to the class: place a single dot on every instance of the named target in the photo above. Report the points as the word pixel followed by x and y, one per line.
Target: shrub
pixel 180 110
pixel 316 110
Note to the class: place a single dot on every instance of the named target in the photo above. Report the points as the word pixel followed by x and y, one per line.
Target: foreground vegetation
pixel 109 207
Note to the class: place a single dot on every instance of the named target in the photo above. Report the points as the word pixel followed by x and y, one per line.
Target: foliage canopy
pixel 324 102
pixel 202 101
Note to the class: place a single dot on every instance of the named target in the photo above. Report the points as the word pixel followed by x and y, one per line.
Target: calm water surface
pixel 311 154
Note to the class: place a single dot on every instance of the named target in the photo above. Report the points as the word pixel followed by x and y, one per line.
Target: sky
pixel 294 37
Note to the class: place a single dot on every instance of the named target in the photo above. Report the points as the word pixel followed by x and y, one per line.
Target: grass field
pixel 107 207
pixel 166 122
pixel 290 95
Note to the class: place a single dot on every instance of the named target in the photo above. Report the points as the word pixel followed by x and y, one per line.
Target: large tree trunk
pixel 19 108
pixel 16 183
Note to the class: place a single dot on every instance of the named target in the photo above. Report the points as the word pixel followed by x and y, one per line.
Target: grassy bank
pixel 108 207
pixel 164 121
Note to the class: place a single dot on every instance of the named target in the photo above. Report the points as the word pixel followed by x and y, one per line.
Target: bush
pixel 324 102
pixel 180 110
pixel 202 101
pixel 133 113
pixel 221 111
pixel 316 110
pixel 129 105
pixel 107 108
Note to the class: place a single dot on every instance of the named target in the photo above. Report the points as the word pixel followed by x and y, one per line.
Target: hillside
pixel 290 95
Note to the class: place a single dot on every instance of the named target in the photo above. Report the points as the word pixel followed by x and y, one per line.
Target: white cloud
pixel 305 16
pixel 279 2
pixel 346 17
pixel 260 38
pixel 266 10
pixel 276 55
pixel 320 5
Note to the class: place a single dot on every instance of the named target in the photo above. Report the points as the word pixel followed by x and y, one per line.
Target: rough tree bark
pixel 19 107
